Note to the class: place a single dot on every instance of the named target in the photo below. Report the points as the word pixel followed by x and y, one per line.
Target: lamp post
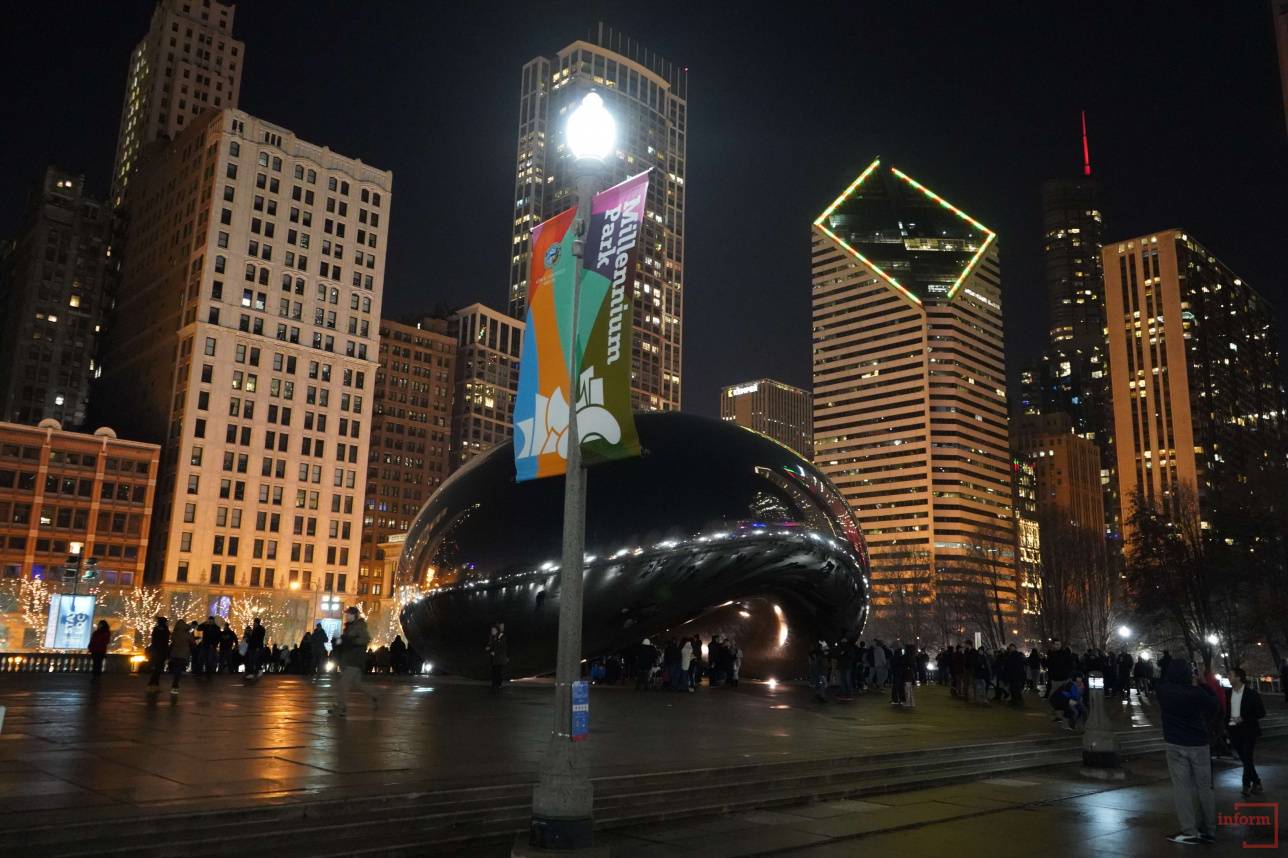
pixel 562 800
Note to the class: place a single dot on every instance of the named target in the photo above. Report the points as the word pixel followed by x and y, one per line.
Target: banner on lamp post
pixel 603 339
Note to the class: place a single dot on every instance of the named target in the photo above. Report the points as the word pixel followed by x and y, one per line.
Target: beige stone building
pixel 910 415
pixel 245 342
pixel 781 411
pixel 187 63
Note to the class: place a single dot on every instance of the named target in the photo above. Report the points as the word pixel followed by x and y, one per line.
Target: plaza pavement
pixel 72 749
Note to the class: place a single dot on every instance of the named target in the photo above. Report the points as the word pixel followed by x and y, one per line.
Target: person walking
pixel 898 673
pixel 180 652
pixel 227 647
pixel 686 662
pixel 818 671
pixel 1015 670
pixel 645 658
pixel 1186 704
pixel 317 649
pixel 1246 712
pixel 398 656
pixel 158 651
pixel 498 651
pixel 255 649
pixel 98 642
pixel 353 659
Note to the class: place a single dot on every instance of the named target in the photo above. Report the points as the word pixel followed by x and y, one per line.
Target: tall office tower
pixel 411 425
pixel 488 344
pixel 1066 466
pixel 648 97
pixel 910 418
pixel 187 63
pixel 1196 386
pixel 1075 357
pixel 245 342
pixel 1028 541
pixel 1279 9
pixel 55 281
pixel 782 412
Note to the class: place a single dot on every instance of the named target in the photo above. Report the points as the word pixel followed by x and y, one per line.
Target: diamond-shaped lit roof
pixel 914 239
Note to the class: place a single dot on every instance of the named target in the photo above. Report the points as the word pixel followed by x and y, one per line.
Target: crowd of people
pixel 672 664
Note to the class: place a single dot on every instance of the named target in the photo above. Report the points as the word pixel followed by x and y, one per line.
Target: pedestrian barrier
pixel 65 662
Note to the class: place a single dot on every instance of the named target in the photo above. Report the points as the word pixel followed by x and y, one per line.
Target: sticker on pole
pixel 580 710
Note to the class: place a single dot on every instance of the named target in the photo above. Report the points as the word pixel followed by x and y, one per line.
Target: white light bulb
pixel 591 130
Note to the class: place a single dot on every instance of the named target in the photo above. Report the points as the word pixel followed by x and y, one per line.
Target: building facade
pixel 55 287
pixel 246 343
pixel 1028 540
pixel 187 63
pixel 648 98
pixel 781 411
pixel 62 490
pixel 910 416
pixel 1195 368
pixel 411 424
pixel 1066 467
pixel 488 348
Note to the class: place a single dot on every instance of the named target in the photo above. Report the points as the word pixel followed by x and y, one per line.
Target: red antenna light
pixel 1086 150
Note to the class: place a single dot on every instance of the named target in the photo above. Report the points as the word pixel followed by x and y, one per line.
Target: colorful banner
pixel 605 420
pixel 603 339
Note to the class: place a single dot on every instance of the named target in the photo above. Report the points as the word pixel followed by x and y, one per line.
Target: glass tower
pixel 648 98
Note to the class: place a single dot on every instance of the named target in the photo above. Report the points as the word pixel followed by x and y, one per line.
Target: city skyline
pixel 1031 134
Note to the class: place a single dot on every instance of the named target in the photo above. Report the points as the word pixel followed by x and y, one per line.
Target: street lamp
pixel 563 799
pixel 1124 632
pixel 1213 639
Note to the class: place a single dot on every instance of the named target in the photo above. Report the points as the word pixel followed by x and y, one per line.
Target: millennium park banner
pixel 603 338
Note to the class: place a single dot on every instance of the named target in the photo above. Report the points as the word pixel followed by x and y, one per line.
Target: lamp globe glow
pixel 591 129
pixel 1124 632
pixel 1213 639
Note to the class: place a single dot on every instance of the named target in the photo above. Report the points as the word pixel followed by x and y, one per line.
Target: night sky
pixel 788 102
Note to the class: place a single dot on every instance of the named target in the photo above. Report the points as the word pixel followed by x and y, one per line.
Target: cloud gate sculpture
pixel 715 529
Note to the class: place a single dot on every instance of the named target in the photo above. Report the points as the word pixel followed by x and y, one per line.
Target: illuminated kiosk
pixel 715 529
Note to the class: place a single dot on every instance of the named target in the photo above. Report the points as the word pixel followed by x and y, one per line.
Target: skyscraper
pixel 489 344
pixel 781 411
pixel 55 284
pixel 648 98
pixel 910 417
pixel 245 343
pixel 187 63
pixel 1066 467
pixel 1028 542
pixel 411 424
pixel 1195 365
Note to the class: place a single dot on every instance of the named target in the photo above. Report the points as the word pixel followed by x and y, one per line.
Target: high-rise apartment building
pixel 246 342
pixel 1195 369
pixel 411 425
pixel 55 284
pixel 1066 467
pixel 910 416
pixel 648 97
pixel 489 345
pixel 781 411
pixel 187 63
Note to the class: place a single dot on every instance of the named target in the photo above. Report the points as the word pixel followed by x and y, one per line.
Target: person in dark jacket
pixel 645 658
pixel 255 650
pixel 1245 713
pixel 1059 665
pixel 159 652
pixel 498 652
pixel 317 649
pixel 98 643
pixel 1186 703
pixel 1014 670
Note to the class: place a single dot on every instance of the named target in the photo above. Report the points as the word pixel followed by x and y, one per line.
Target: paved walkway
pixel 1053 813
pixel 69 744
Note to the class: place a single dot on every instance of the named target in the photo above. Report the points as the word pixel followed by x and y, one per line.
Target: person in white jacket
pixel 686 659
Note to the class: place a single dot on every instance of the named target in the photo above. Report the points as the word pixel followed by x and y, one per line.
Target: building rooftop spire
pixel 1086 149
